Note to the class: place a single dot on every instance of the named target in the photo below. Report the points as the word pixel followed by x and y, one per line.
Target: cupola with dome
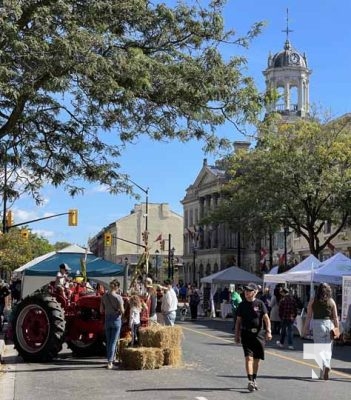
pixel 288 73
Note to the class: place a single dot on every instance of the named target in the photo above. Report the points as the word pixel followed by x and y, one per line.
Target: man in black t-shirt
pixel 252 328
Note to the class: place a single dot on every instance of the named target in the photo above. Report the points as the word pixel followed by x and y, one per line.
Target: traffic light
pixel 25 234
pixel 73 217
pixel 162 244
pixel 144 235
pixel 9 219
pixel 108 239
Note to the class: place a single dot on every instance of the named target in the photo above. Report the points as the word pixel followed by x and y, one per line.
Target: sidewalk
pixel 2 342
pixel 8 361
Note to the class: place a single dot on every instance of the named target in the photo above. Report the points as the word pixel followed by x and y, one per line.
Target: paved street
pixel 213 369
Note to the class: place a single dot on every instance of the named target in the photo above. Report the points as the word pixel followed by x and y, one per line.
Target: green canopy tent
pixel 40 273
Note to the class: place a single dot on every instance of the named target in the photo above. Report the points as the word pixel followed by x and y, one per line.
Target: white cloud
pixel 25 215
pixel 100 189
pixel 44 233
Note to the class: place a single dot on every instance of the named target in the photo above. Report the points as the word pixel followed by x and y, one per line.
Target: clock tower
pixel 288 74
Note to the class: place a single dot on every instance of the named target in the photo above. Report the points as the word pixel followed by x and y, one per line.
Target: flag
pixel 282 259
pixel 263 253
pixel 159 237
pixel 191 233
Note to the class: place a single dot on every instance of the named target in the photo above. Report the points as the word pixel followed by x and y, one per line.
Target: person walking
pixel 194 300
pixel 322 309
pixel 252 328
pixel 112 306
pixel 4 293
pixel 159 297
pixel 169 304
pixel 235 301
pixel 274 313
pixel 287 314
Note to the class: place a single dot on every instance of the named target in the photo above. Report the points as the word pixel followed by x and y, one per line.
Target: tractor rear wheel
pixel 39 327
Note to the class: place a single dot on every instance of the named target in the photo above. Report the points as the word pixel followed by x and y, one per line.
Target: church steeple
pixel 288 74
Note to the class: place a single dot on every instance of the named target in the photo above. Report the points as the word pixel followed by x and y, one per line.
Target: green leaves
pixel 298 175
pixel 71 69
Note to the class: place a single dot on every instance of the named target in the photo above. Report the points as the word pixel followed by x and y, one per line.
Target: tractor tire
pixel 39 328
pixel 95 347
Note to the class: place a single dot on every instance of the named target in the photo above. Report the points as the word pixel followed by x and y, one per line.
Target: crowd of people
pixel 257 314
pixel 10 293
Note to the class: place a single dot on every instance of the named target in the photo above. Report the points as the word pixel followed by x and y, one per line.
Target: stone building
pixel 211 248
pixel 288 73
pixel 127 239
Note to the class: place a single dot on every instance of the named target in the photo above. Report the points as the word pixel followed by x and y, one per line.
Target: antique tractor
pixel 42 322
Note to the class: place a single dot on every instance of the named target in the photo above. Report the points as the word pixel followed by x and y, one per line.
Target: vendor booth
pixel 227 276
pixel 301 273
pixel 42 270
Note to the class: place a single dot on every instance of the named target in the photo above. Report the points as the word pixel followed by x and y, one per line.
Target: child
pixel 134 317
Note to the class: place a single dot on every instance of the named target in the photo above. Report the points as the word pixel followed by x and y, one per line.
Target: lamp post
pixel 169 256
pixel 146 233
pixel 157 255
pixel 286 233
pixel 125 277
pixel 194 263
pixel 172 262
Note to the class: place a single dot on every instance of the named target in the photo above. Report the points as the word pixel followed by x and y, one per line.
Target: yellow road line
pixel 271 353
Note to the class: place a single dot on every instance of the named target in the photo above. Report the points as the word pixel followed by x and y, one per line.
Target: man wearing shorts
pixel 252 329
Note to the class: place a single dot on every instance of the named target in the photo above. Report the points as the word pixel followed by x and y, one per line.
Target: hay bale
pixel 161 336
pixel 142 358
pixel 122 345
pixel 172 356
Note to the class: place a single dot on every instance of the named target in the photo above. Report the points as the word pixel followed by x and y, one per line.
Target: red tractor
pixel 42 322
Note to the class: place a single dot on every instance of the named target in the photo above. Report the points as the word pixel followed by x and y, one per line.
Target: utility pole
pixel 169 256
pixel 146 232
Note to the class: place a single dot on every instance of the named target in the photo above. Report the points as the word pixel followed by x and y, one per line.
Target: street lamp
pixel 146 233
pixel 172 261
pixel 286 233
pixel 157 255
pixel 125 277
pixel 194 263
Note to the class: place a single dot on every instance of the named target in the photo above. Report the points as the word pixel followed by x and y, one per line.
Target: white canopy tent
pixel 301 273
pixel 228 275
pixel 333 269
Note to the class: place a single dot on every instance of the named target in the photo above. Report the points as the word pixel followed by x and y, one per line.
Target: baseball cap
pixel 65 266
pixel 251 287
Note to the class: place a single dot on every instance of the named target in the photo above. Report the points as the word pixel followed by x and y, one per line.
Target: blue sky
pixel 321 29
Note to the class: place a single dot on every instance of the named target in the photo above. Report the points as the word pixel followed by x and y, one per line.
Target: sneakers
pixel 291 348
pixel 110 365
pixel 279 344
pixel 255 385
pixel 251 386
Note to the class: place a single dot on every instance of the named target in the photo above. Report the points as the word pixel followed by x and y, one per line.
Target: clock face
pixel 294 58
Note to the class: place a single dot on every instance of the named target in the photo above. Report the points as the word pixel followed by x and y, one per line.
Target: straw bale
pixel 142 358
pixel 161 336
pixel 172 356
pixel 122 345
